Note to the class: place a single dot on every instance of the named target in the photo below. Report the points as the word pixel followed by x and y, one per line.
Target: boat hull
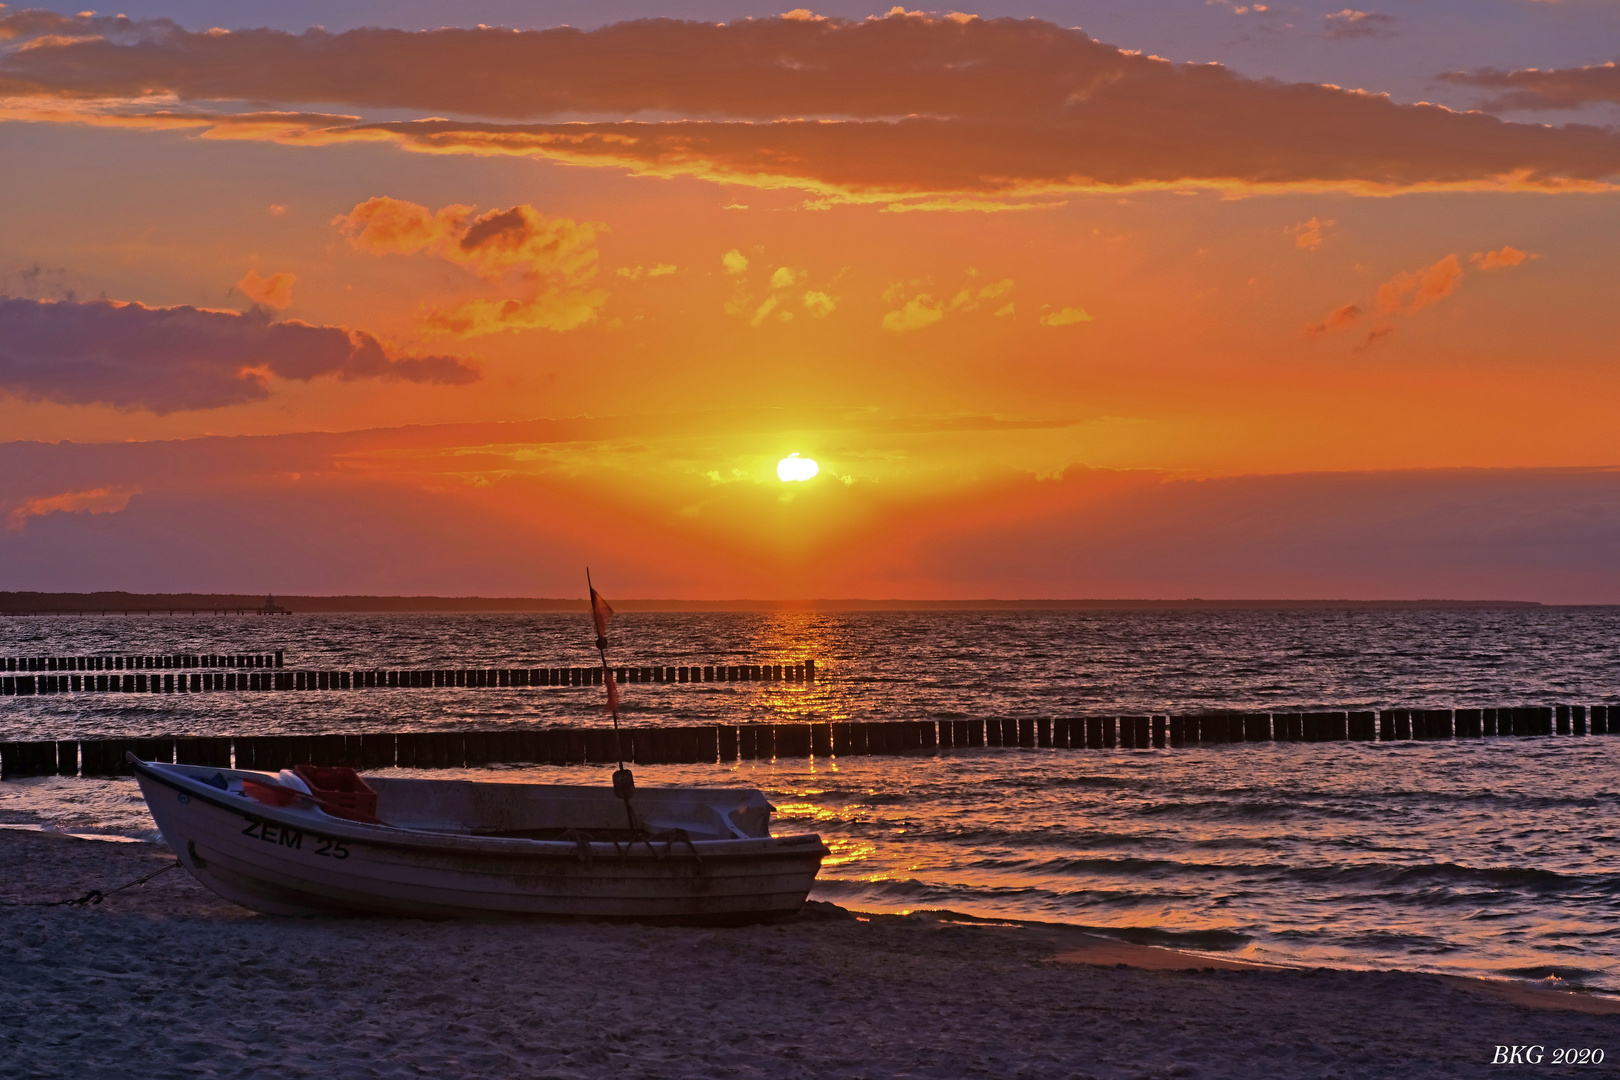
pixel 300 862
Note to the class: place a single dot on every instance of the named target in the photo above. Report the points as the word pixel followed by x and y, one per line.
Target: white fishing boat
pixel 458 848
pixel 320 840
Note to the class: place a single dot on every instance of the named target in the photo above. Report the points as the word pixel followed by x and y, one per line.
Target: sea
pixel 1488 857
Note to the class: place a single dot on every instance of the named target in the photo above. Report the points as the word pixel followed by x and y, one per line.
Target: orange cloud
pixel 101 500
pixel 274 291
pixel 1337 319
pixel 1308 234
pixel 555 258
pixel 916 313
pixel 904 106
pixel 1506 256
pixel 1424 286
pixel 1069 316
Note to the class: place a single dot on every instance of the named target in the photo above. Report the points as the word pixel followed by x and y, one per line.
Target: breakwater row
pixel 723 743
pixel 200 682
pixel 141 663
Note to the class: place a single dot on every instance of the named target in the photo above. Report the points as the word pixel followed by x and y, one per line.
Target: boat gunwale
pixel 393 836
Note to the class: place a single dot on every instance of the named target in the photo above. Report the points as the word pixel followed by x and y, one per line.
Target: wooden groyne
pixel 144 679
pixel 141 663
pixel 727 743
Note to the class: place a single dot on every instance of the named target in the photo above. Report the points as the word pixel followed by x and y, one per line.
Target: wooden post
pixel 792 740
pixel 840 738
pixel 18 759
pixel 1362 726
pixel 1043 733
pixel 1026 731
pixel 1160 731
pixel 748 741
pixel 1324 727
pixel 821 740
pixel 95 754
pixel 992 732
pixel 726 736
pixel 1561 715
pixel 706 737
pixel 859 743
pixel 67 757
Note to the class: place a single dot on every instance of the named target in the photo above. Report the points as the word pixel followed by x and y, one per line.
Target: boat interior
pixel 567 812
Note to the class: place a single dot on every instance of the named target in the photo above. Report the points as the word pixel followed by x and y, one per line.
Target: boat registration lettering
pixel 282 836
pixel 271 833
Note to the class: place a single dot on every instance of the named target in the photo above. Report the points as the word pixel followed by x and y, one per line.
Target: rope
pixel 94 896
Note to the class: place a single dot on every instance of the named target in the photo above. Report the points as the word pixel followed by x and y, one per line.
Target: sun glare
pixel 794 467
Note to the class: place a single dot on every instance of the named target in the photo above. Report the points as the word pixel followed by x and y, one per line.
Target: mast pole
pixel 607 675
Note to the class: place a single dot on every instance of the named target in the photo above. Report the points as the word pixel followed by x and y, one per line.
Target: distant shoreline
pixel 26 603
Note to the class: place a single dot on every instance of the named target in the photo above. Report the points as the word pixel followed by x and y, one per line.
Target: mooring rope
pixel 94 896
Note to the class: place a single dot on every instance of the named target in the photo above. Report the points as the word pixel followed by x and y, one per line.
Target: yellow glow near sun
pixel 794 467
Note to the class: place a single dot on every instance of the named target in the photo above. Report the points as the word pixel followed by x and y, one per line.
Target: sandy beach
pixel 165 980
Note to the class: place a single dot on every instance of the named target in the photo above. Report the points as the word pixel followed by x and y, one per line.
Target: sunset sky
pixel 1162 299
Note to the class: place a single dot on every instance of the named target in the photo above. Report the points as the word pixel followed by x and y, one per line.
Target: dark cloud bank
pixel 180 358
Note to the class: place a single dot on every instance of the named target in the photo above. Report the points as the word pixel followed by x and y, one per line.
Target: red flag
pixel 600 612
pixel 613 693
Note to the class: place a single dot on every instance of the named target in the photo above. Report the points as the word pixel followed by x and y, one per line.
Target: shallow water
pixel 1484 856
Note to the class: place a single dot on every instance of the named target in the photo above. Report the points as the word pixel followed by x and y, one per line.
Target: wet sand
pixel 168 981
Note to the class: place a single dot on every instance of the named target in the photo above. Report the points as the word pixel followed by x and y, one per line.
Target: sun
pixel 794 467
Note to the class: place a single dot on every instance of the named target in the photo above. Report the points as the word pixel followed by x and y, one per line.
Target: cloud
pixel 1423 286
pixel 1308 234
pixel 1374 336
pixel 388 511
pixel 176 359
pixel 1348 23
pixel 101 500
pixel 906 106
pixel 1507 256
pixel 969 299
pixel 764 310
pixel 819 304
pixel 1069 316
pixel 786 277
pixel 1549 88
pixel 553 259
pixel 916 313
pixel 275 210
pixel 274 291
pixel 734 263
pixel 635 273
pixel 1337 319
